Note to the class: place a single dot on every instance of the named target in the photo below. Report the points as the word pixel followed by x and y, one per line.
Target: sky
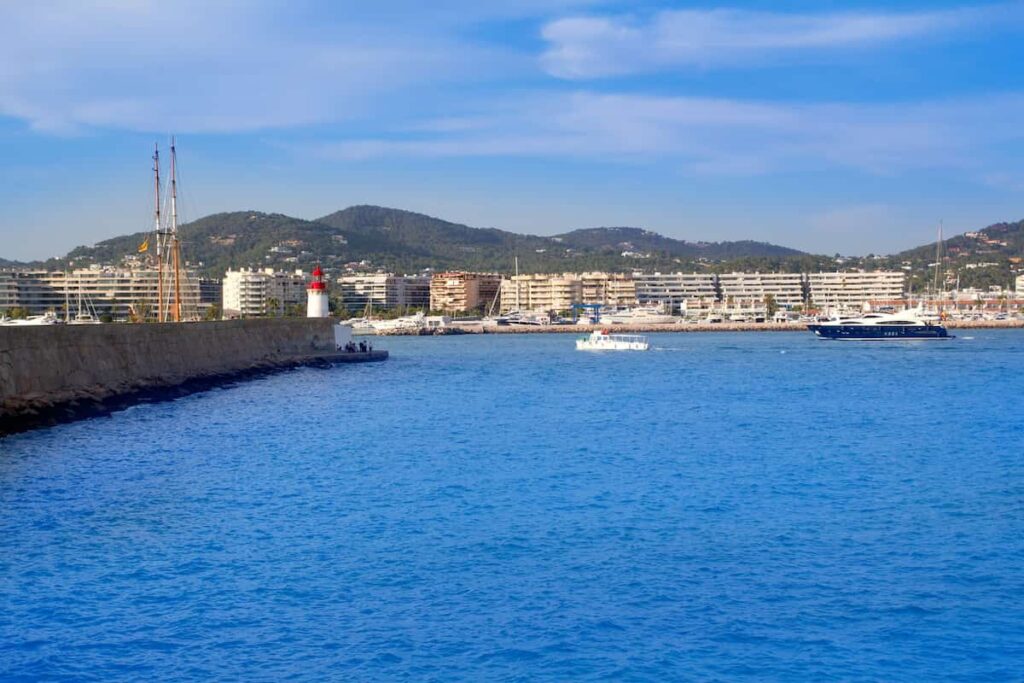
pixel 833 127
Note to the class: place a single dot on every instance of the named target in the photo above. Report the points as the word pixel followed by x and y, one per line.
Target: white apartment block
pixel 249 292
pixel 1019 286
pixel 854 289
pixel 384 291
pixel 122 294
pixel 676 291
pixel 787 289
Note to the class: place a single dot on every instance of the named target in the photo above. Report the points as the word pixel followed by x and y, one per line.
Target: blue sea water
pixel 728 506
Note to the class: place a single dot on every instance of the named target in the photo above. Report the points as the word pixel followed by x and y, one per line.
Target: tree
pixel 770 306
pixel 213 312
pixel 18 312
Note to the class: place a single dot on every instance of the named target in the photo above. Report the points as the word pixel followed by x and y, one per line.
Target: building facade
pixel 384 291
pixel 540 292
pixel 676 291
pixel 788 290
pixel 459 292
pixel 614 290
pixel 852 290
pixel 253 293
pixel 117 293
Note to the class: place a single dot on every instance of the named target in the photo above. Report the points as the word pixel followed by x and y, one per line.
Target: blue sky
pixel 849 127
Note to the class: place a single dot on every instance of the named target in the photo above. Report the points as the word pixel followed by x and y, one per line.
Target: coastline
pixel 480 328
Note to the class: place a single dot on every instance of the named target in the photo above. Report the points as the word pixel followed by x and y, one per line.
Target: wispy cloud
pixel 717 136
pixel 210 67
pixel 596 46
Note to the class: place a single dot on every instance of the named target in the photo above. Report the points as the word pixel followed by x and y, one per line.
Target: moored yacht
pixel 644 315
pixel 905 324
pixel 48 318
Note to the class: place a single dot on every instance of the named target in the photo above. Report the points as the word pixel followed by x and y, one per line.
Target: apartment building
pixel 384 291
pixel 122 294
pixel 614 290
pixel 248 292
pixel 787 289
pixel 854 289
pixel 459 292
pixel 540 292
pixel 676 291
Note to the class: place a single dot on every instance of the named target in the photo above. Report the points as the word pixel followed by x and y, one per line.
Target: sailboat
pixel 85 314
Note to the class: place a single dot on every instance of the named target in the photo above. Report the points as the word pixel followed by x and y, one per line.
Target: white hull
pixel 638 316
pixel 602 341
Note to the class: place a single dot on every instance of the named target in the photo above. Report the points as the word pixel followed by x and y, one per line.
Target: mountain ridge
pixel 406 241
pixel 373 237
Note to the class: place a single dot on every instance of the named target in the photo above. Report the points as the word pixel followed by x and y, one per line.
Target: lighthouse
pixel 316 296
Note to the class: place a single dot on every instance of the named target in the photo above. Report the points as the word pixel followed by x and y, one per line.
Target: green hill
pixel 375 237
pixel 644 241
pixel 992 256
pixel 404 241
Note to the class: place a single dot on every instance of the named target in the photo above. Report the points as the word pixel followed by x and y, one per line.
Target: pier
pixel 57 373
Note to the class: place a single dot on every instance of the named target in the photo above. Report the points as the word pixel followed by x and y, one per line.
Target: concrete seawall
pixel 53 373
pixel 479 328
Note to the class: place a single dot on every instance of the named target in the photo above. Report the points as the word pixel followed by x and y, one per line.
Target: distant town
pixel 130 294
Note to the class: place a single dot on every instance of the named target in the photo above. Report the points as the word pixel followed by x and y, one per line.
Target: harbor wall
pixel 54 372
pixel 480 328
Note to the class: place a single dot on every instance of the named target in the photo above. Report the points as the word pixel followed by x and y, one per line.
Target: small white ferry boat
pixel 600 340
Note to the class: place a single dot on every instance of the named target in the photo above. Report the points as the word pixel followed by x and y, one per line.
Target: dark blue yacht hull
pixel 880 332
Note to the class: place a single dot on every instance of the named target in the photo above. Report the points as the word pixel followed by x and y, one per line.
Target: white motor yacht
pixel 48 318
pixel 905 324
pixel 645 315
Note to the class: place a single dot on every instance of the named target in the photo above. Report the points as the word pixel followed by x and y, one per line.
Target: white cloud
pixel 196 66
pixel 719 136
pixel 595 46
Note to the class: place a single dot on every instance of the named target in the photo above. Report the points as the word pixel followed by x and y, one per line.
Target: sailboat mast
pixel 175 242
pixel 938 261
pixel 156 232
pixel 518 308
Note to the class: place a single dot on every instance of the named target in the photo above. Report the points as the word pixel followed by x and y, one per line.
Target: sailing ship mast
pixel 158 234
pixel 175 241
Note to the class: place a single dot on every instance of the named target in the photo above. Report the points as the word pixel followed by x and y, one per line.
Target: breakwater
pixel 55 373
pixel 479 328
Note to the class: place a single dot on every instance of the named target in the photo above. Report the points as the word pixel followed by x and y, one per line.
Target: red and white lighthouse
pixel 316 296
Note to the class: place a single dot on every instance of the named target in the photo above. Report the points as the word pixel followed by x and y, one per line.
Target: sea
pixel 726 506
